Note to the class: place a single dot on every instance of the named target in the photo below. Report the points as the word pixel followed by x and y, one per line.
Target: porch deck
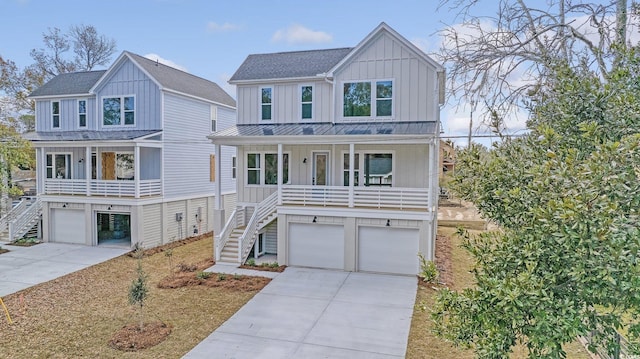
pixel 105 188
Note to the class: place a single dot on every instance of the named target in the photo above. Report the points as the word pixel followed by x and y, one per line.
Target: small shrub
pixel 203 275
pixel 237 276
pixel 138 289
pixel 184 267
pixel 274 265
pixel 428 270
pixel 251 262
pixel 221 277
pixel 169 254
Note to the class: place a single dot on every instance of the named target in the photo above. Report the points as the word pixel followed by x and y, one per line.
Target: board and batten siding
pixel 415 96
pixel 152 225
pixel 129 80
pixel 286 104
pixel 68 114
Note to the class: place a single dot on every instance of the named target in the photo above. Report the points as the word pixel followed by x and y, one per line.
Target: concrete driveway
pixel 24 267
pixel 313 313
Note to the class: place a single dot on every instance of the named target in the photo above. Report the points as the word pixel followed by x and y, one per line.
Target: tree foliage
pixel 499 60
pixel 567 199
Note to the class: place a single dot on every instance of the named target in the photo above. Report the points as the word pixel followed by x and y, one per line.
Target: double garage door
pixel 68 226
pixel 379 249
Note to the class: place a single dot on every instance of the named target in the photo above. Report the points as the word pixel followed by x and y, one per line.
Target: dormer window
pixel 118 111
pixel 82 113
pixel 357 99
pixel 55 114
pixel 266 103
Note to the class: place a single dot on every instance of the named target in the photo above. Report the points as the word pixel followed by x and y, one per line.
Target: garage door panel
pixel 68 226
pixel 388 250
pixel 315 245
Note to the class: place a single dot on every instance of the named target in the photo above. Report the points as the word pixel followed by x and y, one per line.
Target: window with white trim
pixel 306 102
pixel 358 97
pixel 234 167
pixel 58 165
pixel 266 103
pixel 55 114
pixel 118 111
pixel 82 113
pixel 370 169
pixel 214 118
pixel 262 168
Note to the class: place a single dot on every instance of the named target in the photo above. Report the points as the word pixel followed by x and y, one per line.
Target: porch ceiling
pixel 409 132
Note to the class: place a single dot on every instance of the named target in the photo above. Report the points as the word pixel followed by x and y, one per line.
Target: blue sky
pixel 211 38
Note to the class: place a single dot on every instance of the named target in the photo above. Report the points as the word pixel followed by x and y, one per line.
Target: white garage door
pixel 388 250
pixel 316 245
pixel 67 226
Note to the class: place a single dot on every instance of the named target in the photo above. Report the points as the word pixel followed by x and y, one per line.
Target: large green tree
pixel 567 199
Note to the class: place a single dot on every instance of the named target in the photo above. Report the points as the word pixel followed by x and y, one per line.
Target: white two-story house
pixel 123 158
pixel 337 157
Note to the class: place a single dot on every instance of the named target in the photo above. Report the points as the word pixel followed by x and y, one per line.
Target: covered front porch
pixel 100 168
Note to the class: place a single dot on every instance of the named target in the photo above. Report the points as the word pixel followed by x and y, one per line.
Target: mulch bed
pixel 3 250
pixel 23 244
pixel 171 245
pixel 190 275
pixel 443 261
pixel 265 268
pixel 130 338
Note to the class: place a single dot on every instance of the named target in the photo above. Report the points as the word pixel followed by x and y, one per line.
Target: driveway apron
pixel 314 313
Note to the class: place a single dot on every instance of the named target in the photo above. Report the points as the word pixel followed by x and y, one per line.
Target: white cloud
pixel 227 26
pixel 156 57
pixel 298 34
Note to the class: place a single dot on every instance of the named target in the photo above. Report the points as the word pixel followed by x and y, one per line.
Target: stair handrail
pixel 222 237
pixel 20 225
pixel 12 214
pixel 262 211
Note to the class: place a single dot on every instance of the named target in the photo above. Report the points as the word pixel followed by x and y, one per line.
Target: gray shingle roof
pixel 184 82
pixel 74 83
pixel 88 135
pixel 329 129
pixel 282 65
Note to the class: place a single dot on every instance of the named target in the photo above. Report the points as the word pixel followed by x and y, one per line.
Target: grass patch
pixel 76 315
pixel 422 342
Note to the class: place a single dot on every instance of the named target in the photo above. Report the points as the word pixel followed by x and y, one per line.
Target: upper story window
pixel 234 167
pixel 82 113
pixel 306 100
pixel 55 114
pixel 357 99
pixel 214 118
pixel 58 165
pixel 262 168
pixel 117 111
pixel 266 103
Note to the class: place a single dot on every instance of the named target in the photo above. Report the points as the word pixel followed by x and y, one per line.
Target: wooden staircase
pixel 22 220
pixel 229 253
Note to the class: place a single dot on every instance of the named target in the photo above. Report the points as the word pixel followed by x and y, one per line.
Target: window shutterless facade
pixel 55 114
pixel 82 113
pixel 266 103
pixel 370 169
pixel 262 168
pixel 234 167
pixel 368 99
pixel 306 102
pixel 214 118
pixel 58 165
pixel 118 111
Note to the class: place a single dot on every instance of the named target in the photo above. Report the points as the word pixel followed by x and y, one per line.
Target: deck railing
pixel 396 198
pixel 109 188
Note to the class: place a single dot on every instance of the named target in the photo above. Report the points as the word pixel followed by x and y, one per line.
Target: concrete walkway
pixel 24 267
pixel 314 313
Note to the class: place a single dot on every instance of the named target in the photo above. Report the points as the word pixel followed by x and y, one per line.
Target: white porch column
pixel 136 170
pixel 433 174
pixel 352 161
pixel 280 173
pixel 87 169
pixel 218 209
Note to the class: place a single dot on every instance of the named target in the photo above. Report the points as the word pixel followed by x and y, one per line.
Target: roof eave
pixel 116 64
pixel 198 98
pixel 277 80
pixel 321 139
pixel 44 97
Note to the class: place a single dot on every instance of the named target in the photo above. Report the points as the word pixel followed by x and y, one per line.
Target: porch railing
pixel 261 212
pixel 111 188
pixel 235 220
pixel 397 198
pixel 12 215
pixel 29 217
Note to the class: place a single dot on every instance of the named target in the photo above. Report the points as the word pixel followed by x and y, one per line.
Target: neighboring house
pixel 447 157
pixel 337 157
pixel 122 154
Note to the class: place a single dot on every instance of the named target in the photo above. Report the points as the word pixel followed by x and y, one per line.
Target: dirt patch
pixel 443 260
pixel 2 250
pixel 265 268
pixel 131 338
pixel 172 245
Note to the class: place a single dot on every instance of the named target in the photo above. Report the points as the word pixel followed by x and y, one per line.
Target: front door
pixel 320 168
